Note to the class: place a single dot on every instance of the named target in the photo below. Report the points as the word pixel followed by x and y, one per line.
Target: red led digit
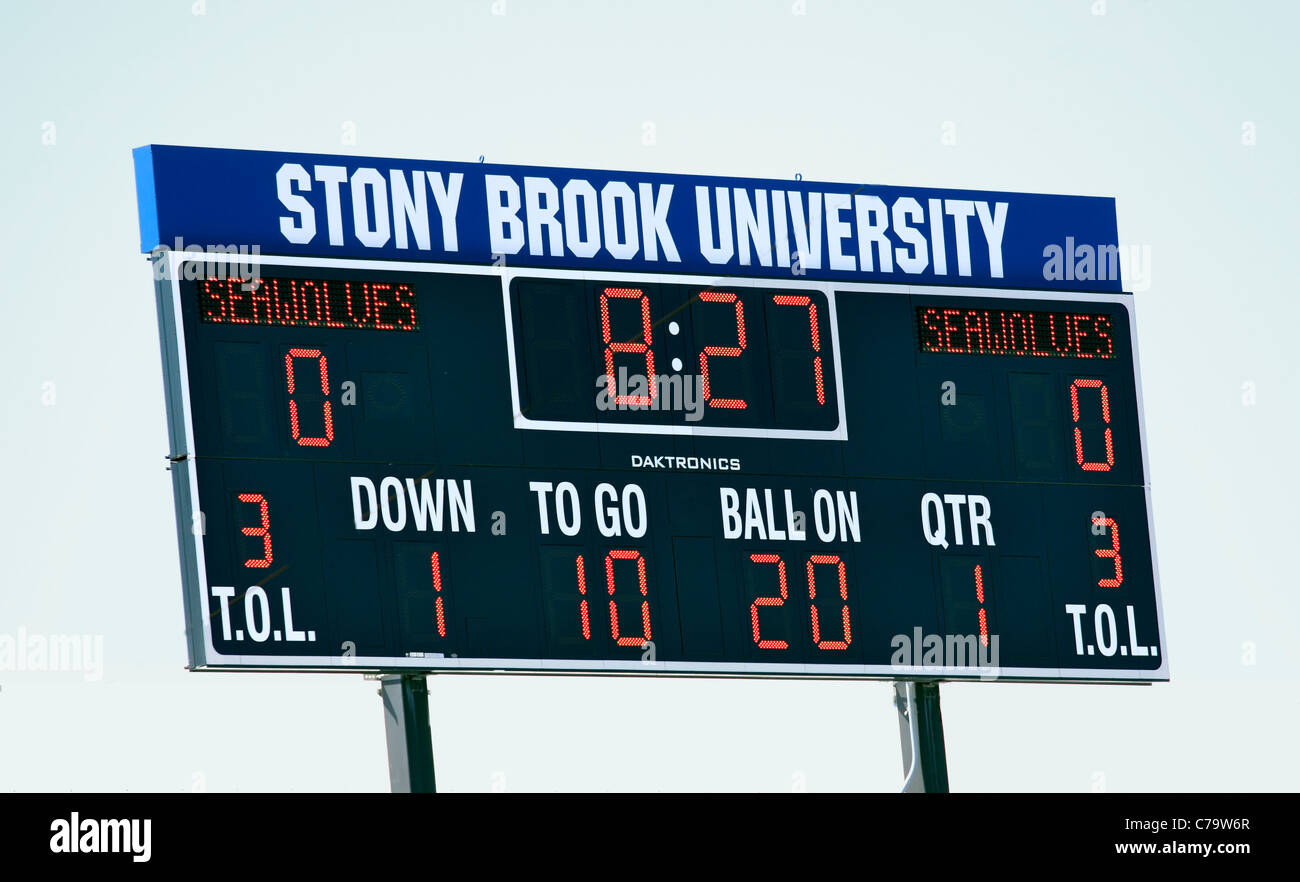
pixel 1078 433
pixel 792 300
pixel 1112 553
pixel 260 295
pixel 948 328
pixel 818 559
pixel 1026 334
pixel 1103 328
pixel 220 314
pixel 979 595
pixel 309 296
pixel 613 607
pixel 639 348
pixel 304 441
pixel 930 331
pixel 263 531
pixel 768 601
pixel 234 294
pixel 437 587
pixel 726 351
pixel 975 336
pixel 1051 325
pixel 405 298
pixel 582 604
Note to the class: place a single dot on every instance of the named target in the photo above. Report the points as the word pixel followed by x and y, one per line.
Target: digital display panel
pixel 480 468
pixel 308 303
pixel 685 356
pixel 1019 332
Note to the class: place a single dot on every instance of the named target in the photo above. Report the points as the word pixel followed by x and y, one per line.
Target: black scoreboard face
pixel 433 467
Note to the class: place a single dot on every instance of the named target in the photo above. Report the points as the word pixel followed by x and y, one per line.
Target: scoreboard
pixel 454 461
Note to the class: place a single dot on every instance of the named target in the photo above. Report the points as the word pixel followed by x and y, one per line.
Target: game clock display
pixel 431 467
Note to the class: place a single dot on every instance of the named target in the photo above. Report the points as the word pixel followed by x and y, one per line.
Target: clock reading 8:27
pixel 675 355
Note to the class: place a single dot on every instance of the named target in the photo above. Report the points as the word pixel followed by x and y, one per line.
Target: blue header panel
pixel 477 213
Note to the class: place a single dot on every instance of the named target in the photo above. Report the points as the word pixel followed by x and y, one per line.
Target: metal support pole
pixel 920 725
pixel 406 727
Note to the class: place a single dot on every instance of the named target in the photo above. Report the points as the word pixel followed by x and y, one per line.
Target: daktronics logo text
pixel 689 463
